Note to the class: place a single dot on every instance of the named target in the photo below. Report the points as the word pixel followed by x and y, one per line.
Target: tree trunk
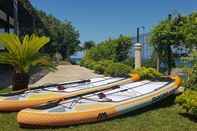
pixel 169 51
pixel 158 63
pixel 20 81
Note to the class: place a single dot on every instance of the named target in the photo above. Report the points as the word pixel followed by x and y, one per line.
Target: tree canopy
pixel 174 32
pixel 111 49
pixel 189 30
pixel 88 44
pixel 64 36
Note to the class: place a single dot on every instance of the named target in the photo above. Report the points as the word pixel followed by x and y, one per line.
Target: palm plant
pixel 24 56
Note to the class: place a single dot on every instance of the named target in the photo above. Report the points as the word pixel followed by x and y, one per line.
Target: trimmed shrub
pixel 98 68
pixel 101 66
pixel 129 62
pixel 88 63
pixel 147 73
pixel 118 70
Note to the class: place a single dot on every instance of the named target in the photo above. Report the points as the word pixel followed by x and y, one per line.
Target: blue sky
pixel 99 19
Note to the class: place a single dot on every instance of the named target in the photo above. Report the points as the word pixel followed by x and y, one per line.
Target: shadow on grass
pixel 169 101
pixel 189 116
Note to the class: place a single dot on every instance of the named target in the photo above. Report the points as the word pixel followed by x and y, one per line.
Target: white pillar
pixel 138 55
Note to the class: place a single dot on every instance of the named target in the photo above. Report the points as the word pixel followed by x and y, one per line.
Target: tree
pixel 24 56
pixel 89 44
pixel 64 36
pixel 123 47
pixel 174 32
pixel 164 37
pixel 189 30
pixel 111 49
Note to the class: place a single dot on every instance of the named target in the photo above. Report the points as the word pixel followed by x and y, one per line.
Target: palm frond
pixel 40 60
pixel 12 43
pixel 24 55
pixel 6 58
pixel 36 43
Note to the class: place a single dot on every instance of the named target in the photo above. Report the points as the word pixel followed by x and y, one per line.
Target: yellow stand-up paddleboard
pixel 41 95
pixel 99 106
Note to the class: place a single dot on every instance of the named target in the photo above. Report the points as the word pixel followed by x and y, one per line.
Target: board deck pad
pixel 122 93
pixel 94 82
pixel 47 91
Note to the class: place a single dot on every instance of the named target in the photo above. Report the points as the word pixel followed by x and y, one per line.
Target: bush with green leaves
pixel 191 70
pixel 117 70
pixel 147 73
pixel 192 81
pixel 149 63
pixel 108 67
pixel 110 57
pixel 129 61
pixel 89 63
pixel 101 66
pixel 188 101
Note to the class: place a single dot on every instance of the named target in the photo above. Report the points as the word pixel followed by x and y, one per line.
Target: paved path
pixel 66 73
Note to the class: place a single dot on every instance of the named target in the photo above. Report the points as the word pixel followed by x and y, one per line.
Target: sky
pixel 98 20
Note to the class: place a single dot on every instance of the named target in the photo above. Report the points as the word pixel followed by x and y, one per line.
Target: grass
pixel 163 116
pixel 5 90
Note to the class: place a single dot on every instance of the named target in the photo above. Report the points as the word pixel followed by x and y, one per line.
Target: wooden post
pixel 16 22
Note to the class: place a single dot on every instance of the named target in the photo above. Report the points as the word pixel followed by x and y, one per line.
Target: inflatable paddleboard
pixel 30 98
pixel 101 105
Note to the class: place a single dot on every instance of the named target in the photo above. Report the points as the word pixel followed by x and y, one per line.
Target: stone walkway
pixel 66 73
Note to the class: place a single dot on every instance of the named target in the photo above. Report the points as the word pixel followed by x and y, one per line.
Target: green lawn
pixel 5 90
pixel 164 116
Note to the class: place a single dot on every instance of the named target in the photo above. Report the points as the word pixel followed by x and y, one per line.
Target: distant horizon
pixel 100 20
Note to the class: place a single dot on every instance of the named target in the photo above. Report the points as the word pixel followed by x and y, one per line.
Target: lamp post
pixel 138 50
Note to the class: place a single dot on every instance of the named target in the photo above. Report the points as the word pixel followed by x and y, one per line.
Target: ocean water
pixel 76 58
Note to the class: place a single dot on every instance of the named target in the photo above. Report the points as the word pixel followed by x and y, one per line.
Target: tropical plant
pixel 24 56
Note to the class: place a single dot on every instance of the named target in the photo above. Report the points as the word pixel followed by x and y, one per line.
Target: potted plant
pixel 24 56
